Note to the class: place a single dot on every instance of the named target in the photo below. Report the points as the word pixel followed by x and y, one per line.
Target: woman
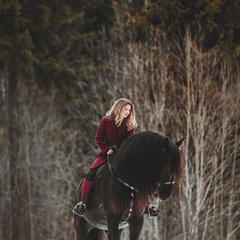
pixel 116 126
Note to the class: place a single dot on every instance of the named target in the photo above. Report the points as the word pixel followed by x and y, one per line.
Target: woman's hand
pixel 109 152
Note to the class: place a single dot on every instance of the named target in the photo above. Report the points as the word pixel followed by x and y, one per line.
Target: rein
pixel 128 185
pixel 119 179
pixel 133 188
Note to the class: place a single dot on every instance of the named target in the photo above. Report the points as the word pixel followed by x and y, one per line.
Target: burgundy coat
pixel 108 135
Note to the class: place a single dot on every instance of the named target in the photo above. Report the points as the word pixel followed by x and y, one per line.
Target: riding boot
pixel 152 210
pixel 80 208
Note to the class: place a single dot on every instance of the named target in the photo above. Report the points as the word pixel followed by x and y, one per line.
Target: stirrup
pixel 79 209
pixel 153 211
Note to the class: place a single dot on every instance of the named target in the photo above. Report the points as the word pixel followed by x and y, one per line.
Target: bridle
pixel 170 181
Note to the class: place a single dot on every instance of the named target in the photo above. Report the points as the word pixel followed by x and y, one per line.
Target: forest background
pixel 64 63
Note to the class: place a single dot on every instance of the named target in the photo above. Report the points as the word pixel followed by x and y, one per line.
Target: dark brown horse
pixel 144 167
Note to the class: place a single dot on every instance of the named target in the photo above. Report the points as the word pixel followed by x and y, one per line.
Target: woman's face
pixel 126 111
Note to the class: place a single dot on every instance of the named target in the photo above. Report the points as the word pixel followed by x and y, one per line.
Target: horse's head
pixel 166 185
pixel 149 162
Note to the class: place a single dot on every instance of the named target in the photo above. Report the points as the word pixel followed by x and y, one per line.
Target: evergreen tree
pixel 217 21
pixel 36 40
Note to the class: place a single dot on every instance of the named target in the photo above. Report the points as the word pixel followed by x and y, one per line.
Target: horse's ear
pixel 179 143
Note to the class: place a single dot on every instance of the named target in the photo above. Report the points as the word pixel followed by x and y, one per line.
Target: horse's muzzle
pixel 165 190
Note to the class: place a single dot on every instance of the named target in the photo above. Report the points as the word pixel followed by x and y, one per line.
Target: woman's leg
pixel 86 187
pixel 87 183
pixel 80 208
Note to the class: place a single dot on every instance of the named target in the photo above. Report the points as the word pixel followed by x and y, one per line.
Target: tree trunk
pixel 13 135
pixel 18 212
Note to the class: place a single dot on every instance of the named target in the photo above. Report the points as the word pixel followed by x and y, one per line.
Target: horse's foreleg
pixel 113 231
pixel 135 226
pixel 81 227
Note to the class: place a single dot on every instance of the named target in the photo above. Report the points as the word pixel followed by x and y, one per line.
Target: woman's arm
pixel 100 137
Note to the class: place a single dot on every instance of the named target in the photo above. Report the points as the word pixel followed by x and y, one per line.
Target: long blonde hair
pixel 115 113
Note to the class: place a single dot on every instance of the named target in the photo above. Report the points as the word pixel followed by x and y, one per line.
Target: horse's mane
pixel 146 158
pixel 143 161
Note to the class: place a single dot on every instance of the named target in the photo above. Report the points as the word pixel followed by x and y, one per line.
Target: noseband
pixel 169 182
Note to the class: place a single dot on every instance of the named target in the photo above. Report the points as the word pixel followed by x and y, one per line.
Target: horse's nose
pixel 164 196
pixel 165 191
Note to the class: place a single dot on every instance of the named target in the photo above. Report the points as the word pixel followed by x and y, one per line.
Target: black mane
pixel 144 159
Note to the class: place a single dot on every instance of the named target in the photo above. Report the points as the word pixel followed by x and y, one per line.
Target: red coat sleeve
pixel 100 137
